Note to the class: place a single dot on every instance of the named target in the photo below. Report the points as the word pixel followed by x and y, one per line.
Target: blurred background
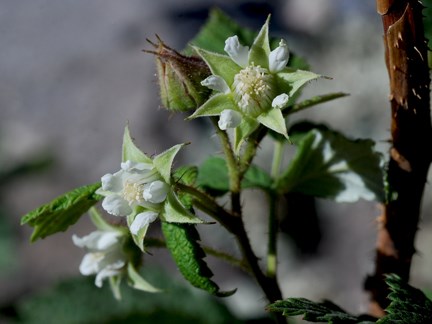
pixel 73 73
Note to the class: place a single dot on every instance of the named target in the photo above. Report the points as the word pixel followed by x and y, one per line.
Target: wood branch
pixel 410 153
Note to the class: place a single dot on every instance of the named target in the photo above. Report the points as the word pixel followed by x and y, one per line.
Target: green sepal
pixel 62 212
pixel 290 81
pixel 329 165
pixel 139 237
pixel 214 106
pixel 312 102
pixel 114 282
pixel 274 120
pixel 100 223
pixel 182 242
pixel 137 282
pixel 220 65
pixel 163 161
pixel 131 152
pixel 260 49
pixel 175 212
pixel 242 131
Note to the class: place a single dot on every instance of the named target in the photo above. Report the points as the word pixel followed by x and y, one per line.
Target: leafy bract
pixel 182 241
pixel 329 165
pixel 63 211
pixel 315 312
pixel 408 304
pixel 213 177
pixel 130 151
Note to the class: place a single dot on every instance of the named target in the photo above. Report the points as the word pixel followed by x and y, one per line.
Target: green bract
pixel 141 190
pixel 252 86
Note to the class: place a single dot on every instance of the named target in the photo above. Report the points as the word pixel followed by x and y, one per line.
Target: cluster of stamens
pixel 252 89
pixel 133 192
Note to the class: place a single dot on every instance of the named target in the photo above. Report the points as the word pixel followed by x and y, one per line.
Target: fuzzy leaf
pixel 163 162
pixel 329 165
pixel 130 151
pixel 62 212
pixel 314 312
pixel 408 304
pixel 182 241
pixel 213 177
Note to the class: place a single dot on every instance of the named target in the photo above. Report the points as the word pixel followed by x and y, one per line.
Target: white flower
pixel 215 82
pixel 280 101
pixel 236 51
pixel 279 57
pixel 104 258
pixel 142 220
pixel 136 184
pixel 229 119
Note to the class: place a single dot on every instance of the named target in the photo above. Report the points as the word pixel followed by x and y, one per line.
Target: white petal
pixel 141 220
pixel 215 82
pixel 130 166
pixel 103 274
pixel 90 263
pixel 280 101
pixel 116 205
pixel 112 182
pixel 236 51
pixel 155 192
pixel 229 119
pixel 107 240
pixel 279 57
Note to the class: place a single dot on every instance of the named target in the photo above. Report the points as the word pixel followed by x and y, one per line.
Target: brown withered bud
pixel 180 78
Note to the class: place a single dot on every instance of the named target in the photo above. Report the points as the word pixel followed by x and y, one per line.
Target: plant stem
pixel 410 157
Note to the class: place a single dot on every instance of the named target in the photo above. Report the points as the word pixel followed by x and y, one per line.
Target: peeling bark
pixel 411 153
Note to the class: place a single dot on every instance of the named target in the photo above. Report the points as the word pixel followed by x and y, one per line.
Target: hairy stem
pixel 410 157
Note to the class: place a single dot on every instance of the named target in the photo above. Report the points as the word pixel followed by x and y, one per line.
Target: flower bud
pixel 180 78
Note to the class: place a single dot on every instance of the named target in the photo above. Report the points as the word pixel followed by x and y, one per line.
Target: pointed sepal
pixel 260 50
pixel 274 120
pixel 214 106
pixel 137 282
pixel 131 151
pixel 242 131
pixel 175 212
pixel 163 161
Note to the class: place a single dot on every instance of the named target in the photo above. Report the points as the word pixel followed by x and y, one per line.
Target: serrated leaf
pixel 131 151
pixel 329 165
pixel 213 176
pixel 62 212
pixel 182 241
pixel 408 304
pixel 314 312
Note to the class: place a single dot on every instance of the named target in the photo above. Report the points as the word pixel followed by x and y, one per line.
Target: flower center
pixel 133 192
pixel 253 90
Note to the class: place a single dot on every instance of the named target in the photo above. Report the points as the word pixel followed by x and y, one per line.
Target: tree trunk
pixel 411 138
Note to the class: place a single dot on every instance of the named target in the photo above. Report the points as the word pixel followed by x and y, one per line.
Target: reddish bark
pixel 411 153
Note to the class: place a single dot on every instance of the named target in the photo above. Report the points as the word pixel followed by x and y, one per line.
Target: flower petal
pixel 116 205
pixel 279 57
pixel 229 119
pixel 132 166
pixel 280 101
pixel 90 263
pixel 155 192
pixel 236 51
pixel 215 82
pixel 105 273
pixel 142 220
pixel 112 182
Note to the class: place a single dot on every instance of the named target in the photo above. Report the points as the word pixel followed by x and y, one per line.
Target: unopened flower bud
pixel 180 78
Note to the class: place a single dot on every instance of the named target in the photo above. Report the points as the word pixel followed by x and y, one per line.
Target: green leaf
pixel 138 282
pixel 182 241
pixel 214 106
pixel 329 165
pixel 274 120
pixel 314 312
pixel 163 162
pixel 62 212
pixel 188 176
pixel 408 304
pixel 260 49
pixel 130 151
pixel 220 65
pixel 213 177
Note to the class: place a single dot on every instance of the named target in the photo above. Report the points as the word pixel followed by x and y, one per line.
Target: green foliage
pixel 182 241
pixel 408 304
pixel 427 20
pixel 314 312
pixel 77 301
pixel 213 177
pixel 62 212
pixel 329 165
